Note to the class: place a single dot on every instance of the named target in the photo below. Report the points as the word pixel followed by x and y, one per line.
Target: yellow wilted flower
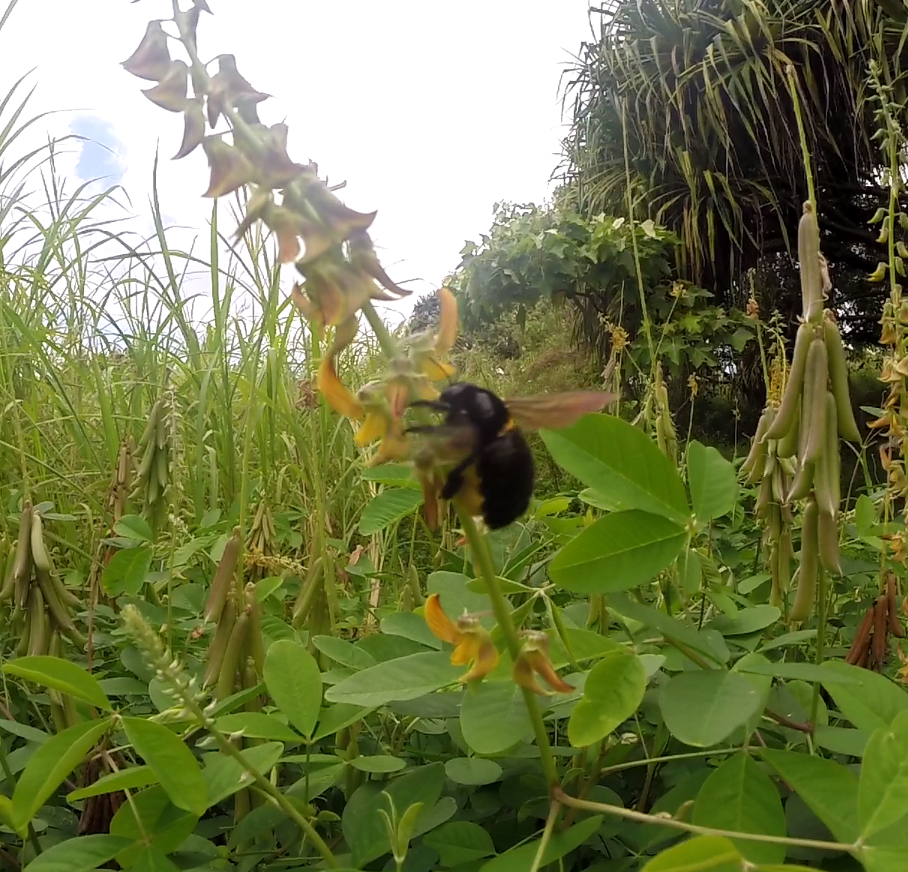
pixel 534 660
pixel 472 642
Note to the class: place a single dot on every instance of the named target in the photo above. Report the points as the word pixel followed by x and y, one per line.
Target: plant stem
pixel 546 835
pixel 385 340
pixel 483 560
pixel 822 595
pixel 660 820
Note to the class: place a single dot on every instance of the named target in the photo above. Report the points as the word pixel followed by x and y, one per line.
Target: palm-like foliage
pixel 690 102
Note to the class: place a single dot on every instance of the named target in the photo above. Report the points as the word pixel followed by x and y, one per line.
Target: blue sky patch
pixel 98 158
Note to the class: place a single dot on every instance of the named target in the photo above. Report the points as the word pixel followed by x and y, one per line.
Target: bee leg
pixel 454 481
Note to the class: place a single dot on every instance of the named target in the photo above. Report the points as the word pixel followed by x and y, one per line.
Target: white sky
pixel 430 111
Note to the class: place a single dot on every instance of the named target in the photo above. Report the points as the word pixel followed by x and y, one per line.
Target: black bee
pixel 493 475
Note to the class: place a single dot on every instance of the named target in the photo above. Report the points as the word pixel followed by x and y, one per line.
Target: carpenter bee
pixel 493 474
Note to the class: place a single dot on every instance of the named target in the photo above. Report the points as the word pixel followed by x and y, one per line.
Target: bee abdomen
pixel 505 468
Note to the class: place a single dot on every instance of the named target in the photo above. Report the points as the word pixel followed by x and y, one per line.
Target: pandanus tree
pixel 684 111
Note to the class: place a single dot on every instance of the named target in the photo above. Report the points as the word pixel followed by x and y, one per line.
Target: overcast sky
pixel 430 111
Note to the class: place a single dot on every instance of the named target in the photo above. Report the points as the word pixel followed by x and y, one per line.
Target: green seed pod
pixel 828 540
pixel 40 555
pixel 757 445
pixel 803 482
pixel 785 415
pixel 218 644
pixel 223 577
pixel 809 260
pixel 826 479
pixel 232 657
pixel 838 375
pixel 787 446
pixel 815 378
pixel 805 596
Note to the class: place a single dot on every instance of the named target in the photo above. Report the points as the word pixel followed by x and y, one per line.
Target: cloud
pixel 99 156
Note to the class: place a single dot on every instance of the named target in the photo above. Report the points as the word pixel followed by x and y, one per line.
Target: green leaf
pixel 472 770
pixel 796 671
pixel 49 765
pixel 746 621
pixel 125 779
pixel 171 761
pixel 460 842
pixel 294 683
pixel 698 854
pixel 883 790
pixel 620 462
pixel 361 822
pixel 410 626
pixel 61 675
pixel 134 527
pixel 613 690
pixel 493 717
pixel 619 551
pixel 739 796
pixel 150 816
pixel 78 855
pixel 670 627
pixel 829 790
pixel 387 508
pixel 560 845
pixel 257 725
pixel 841 741
pixel 871 702
pixel 387 473
pixel 378 763
pixel 703 708
pixel 336 717
pixel 401 679
pixel 150 859
pixel 712 480
pixel 127 570
pixel 343 652
pixel 224 776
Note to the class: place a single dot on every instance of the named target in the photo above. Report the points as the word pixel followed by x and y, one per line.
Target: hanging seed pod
pixel 785 415
pixel 232 657
pixel 218 644
pixel 828 536
pixel 838 375
pixel 827 469
pixel 879 646
pixel 810 265
pixel 861 641
pixel 223 577
pixel 255 643
pixel 806 593
pixel 753 463
pixel 787 446
pixel 815 378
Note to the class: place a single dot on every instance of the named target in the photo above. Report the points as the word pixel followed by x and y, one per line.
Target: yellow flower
pixel 534 658
pixel 427 351
pixel 471 641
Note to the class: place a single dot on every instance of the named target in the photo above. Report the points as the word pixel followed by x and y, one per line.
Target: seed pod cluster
pixel 801 435
pixel 153 470
pixel 236 652
pixel 262 538
pixel 870 647
pixel 43 608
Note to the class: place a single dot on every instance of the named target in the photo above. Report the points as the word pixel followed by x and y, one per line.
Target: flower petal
pixel 439 623
pixel 447 322
pixel 467 650
pixel 374 427
pixel 486 659
pixel 335 392
pixel 522 673
pixel 543 666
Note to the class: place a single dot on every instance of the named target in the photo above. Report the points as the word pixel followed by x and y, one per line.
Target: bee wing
pixel 556 410
pixel 451 441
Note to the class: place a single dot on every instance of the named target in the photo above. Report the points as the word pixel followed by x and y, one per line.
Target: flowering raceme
pixel 380 405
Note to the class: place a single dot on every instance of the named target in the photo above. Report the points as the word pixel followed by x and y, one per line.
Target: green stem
pixel 483 560
pixel 546 835
pixel 822 594
pixel 643 818
pixel 802 133
pixel 385 340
